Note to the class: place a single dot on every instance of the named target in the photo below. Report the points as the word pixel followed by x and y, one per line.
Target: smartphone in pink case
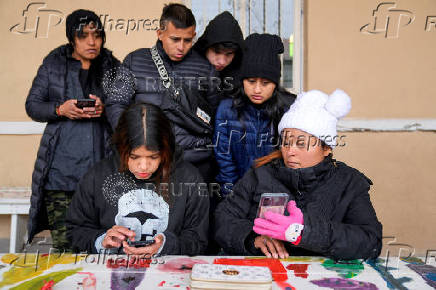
pixel 272 202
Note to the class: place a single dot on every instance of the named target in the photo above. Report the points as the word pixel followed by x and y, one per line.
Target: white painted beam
pixel 21 128
pixel 386 125
pixel 345 125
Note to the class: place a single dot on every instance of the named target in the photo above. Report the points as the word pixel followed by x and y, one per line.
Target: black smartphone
pixel 82 103
pixel 138 244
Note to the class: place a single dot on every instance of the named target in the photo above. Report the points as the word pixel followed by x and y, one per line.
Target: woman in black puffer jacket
pixel 74 139
pixel 330 212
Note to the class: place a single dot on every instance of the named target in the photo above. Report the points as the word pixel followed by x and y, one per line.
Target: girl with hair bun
pixel 144 199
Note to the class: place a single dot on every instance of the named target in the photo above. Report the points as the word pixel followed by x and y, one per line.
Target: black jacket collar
pixel 304 179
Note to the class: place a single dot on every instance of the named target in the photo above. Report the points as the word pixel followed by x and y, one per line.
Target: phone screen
pixel 272 202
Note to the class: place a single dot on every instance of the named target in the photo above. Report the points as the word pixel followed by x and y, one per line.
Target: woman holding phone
pixel 144 198
pixel 67 94
pixel 329 212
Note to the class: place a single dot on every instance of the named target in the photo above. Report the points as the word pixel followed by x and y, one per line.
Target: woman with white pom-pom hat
pixel 329 212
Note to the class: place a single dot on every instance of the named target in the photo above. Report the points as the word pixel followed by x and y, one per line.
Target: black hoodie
pixel 106 197
pixel 223 28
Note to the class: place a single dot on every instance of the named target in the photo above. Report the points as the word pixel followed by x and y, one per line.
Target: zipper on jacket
pixel 300 195
pixel 256 129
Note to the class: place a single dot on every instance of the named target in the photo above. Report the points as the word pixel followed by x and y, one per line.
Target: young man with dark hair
pixel 222 43
pixel 192 76
pixel 177 31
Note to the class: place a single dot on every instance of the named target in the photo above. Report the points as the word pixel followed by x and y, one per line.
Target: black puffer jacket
pixel 97 206
pixel 339 220
pixel 49 89
pixel 189 71
pixel 223 28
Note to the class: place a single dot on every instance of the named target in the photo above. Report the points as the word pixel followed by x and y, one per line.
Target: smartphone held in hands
pixel 138 244
pixel 83 103
pixel 272 202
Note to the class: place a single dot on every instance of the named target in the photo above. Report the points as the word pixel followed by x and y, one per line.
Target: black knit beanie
pixel 261 57
pixel 79 19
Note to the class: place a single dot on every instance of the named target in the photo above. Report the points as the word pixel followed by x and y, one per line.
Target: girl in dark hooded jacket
pixel 145 193
pixel 329 213
pixel 245 125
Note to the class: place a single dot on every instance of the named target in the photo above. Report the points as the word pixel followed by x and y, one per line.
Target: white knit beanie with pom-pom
pixel 317 113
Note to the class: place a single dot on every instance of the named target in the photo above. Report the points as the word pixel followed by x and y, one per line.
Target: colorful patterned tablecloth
pixel 71 271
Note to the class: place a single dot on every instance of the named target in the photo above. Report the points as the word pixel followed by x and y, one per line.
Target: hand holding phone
pixel 85 103
pixel 93 106
pixel 147 250
pixel 70 110
pixel 278 226
pixel 116 235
